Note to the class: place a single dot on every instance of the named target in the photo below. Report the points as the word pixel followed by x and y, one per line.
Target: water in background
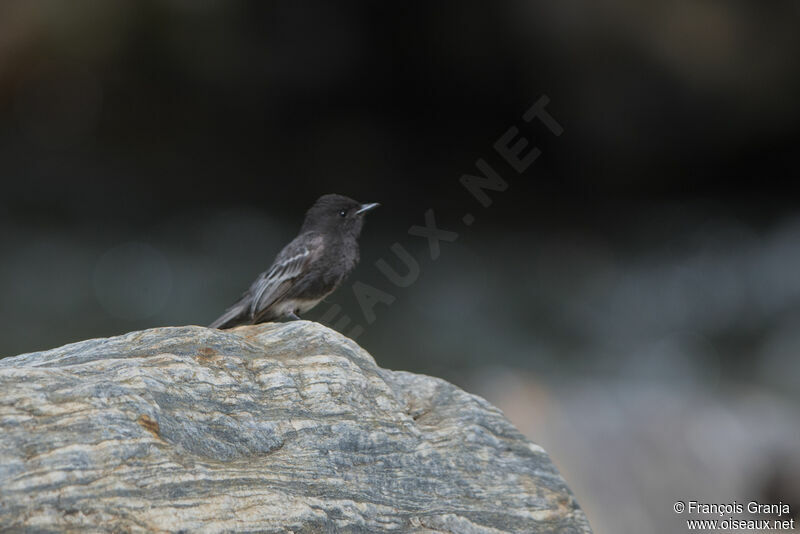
pixel 632 302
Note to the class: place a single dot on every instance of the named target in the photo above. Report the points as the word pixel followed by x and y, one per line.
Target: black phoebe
pixel 308 269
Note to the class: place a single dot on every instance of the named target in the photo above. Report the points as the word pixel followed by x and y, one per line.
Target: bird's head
pixel 337 213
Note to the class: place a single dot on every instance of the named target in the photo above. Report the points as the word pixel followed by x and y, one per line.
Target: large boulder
pixel 271 428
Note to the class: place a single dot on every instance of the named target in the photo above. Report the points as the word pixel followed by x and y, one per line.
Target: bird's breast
pixel 344 256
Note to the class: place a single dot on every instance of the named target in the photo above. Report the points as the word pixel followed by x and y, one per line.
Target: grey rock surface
pixel 270 428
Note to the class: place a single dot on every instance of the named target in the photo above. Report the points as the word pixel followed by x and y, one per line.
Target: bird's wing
pixel 290 263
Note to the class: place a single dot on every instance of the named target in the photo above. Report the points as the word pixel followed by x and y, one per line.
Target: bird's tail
pixel 236 315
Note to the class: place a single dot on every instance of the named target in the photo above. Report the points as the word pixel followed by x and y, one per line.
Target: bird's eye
pixel 342 213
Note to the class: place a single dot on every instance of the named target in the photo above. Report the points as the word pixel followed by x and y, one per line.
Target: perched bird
pixel 308 269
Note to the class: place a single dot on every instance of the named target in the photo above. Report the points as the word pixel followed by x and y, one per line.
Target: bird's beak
pixel 367 207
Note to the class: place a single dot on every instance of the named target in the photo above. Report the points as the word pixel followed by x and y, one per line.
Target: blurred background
pixel 632 302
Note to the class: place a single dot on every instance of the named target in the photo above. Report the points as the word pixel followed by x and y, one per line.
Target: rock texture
pixel 271 428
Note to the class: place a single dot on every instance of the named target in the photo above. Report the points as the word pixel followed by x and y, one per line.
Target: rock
pixel 271 428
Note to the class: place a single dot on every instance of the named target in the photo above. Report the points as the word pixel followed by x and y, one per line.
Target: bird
pixel 306 270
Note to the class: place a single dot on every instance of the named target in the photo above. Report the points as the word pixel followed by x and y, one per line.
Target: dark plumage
pixel 308 269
